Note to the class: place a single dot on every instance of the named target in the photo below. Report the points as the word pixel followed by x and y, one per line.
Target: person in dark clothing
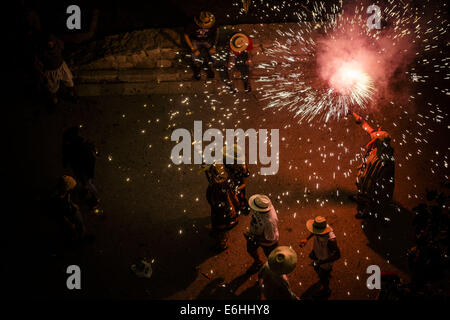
pixel 202 37
pixel 80 155
pixel 376 175
pixel 238 174
pixel 50 64
pixel 272 277
pixel 237 54
pixel 222 200
pixel 66 212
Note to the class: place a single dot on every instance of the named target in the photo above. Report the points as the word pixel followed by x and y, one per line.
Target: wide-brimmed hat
pixel 282 260
pixel 318 225
pixel 260 203
pixel 142 269
pixel 205 19
pixel 66 183
pixel 235 153
pixel 378 135
pixel 239 42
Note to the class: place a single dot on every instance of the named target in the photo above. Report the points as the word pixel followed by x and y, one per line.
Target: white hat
pixel 260 203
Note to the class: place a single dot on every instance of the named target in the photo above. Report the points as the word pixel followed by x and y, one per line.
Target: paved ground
pixel 152 204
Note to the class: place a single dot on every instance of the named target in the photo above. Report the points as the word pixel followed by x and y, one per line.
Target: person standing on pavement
pixel 238 174
pixel 375 178
pixel 66 212
pixel 272 277
pixel 202 37
pixel 220 197
pixel 80 155
pixel 325 250
pixel 263 229
pixel 236 54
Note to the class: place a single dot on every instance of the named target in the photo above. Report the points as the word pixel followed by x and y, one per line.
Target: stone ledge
pixel 156 75
pixel 152 48
pixel 153 61
pixel 130 88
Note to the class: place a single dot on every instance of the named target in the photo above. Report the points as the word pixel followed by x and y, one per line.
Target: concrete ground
pixel 158 209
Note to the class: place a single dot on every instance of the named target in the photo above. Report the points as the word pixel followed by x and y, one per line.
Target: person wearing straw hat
pixel 237 56
pixel 375 178
pixel 222 201
pixel 80 155
pixel 239 174
pixel 325 250
pixel 241 46
pixel 66 212
pixel 272 279
pixel 202 37
pixel 263 229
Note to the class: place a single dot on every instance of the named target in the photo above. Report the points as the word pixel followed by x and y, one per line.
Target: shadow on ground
pixel 217 289
pixel 393 237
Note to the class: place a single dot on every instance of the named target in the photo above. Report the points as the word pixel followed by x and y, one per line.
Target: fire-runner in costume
pixel 222 201
pixel 375 179
pixel 238 175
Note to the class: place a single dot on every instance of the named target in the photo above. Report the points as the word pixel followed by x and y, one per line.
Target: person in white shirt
pixel 325 250
pixel 263 229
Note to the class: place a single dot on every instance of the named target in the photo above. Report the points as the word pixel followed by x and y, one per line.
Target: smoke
pixel 377 53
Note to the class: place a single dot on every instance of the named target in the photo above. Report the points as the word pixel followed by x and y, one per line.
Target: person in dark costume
pixel 222 200
pixel 375 178
pixel 202 36
pixel 238 174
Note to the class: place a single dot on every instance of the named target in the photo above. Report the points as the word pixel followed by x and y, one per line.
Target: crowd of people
pixel 226 194
pixel 227 182
pixel 202 37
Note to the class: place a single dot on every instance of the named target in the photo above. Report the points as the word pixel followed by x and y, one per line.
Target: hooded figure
pixel 375 178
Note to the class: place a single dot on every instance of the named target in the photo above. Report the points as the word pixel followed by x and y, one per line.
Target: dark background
pixel 126 15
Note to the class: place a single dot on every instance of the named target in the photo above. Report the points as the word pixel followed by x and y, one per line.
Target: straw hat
pixel 260 203
pixel 142 269
pixel 235 153
pixel 66 183
pixel 239 42
pixel 205 19
pixel 318 225
pixel 282 260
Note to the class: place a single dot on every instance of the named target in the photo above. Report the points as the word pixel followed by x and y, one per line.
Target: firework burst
pixel 323 69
